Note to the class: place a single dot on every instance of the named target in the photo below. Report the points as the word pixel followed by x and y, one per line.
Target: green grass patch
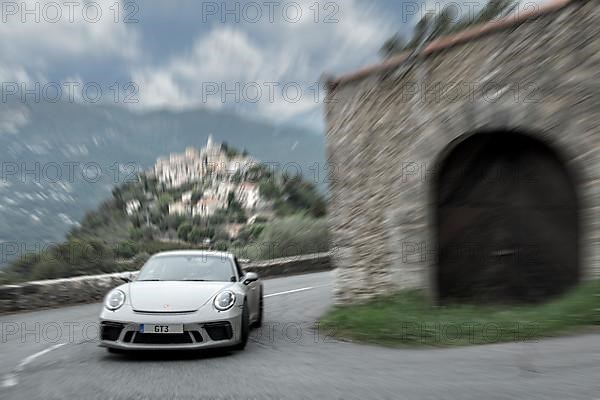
pixel 408 318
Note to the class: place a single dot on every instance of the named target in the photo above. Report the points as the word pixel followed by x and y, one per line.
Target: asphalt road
pixel 54 354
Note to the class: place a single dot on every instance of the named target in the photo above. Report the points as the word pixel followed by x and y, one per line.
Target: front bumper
pixel 121 330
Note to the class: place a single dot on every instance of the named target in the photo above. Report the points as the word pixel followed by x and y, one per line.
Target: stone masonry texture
pixel 388 127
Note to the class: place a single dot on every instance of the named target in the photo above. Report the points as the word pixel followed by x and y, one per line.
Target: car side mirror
pixel 249 278
pixel 127 278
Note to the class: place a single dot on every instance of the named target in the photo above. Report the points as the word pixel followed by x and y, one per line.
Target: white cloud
pixel 258 55
pixel 12 118
pixel 13 115
pixel 246 53
pixel 36 34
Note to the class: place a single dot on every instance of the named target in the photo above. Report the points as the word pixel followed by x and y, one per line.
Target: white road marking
pixel 289 291
pixel 12 379
pixel 294 291
pixel 9 380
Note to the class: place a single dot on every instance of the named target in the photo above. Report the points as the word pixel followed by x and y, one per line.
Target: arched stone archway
pixel 506 220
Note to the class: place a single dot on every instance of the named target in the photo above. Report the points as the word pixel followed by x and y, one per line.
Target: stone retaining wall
pixel 86 289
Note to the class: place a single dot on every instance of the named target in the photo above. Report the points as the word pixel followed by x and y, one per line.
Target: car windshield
pixel 187 268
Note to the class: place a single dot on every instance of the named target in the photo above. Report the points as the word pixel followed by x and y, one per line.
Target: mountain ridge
pixel 36 208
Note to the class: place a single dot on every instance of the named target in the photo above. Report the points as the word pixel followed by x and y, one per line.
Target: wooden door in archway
pixel 507 221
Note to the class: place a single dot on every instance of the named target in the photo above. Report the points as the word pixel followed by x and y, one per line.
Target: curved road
pixel 53 355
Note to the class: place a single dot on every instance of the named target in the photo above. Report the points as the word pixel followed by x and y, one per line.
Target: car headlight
pixel 114 300
pixel 224 300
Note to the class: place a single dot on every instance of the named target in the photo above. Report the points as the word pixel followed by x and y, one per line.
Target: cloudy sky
pixel 260 58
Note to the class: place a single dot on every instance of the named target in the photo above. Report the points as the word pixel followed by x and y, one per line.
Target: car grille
pixel 128 336
pixel 197 336
pixel 158 338
pixel 219 330
pixel 110 330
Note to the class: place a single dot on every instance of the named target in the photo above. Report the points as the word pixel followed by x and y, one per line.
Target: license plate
pixel 161 328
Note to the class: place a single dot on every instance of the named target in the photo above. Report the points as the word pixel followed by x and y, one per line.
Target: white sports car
pixel 183 300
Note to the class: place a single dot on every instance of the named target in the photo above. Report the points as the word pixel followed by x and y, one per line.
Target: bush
pixel 137 220
pixel 208 232
pixel 153 247
pixel 289 236
pixel 269 189
pixel 50 269
pixel 299 195
pixel 221 234
pixel 218 218
pixel 126 250
pixel 149 232
pixel 196 235
pixel 222 245
pixel 73 258
pixel 163 202
pixel 23 265
pixel 136 233
pixel 155 216
pixel 184 230
pixel 250 232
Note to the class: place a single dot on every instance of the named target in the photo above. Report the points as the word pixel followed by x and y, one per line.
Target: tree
pixel 24 265
pixel 269 189
pixel 219 217
pixel 208 232
pixel 237 177
pixel 175 221
pixel 298 195
pixel 163 202
pixel 228 150
pixel 136 233
pixel 494 9
pixel 293 236
pixel 394 45
pixel 230 199
pixel 319 208
pixel 184 230
pixel 222 245
pixel 118 197
pixel 433 26
pixel 196 196
pixel 196 235
pixel 221 235
pixel 126 249
pixel 148 233
pixel 137 220
pixel 421 31
pixel 240 216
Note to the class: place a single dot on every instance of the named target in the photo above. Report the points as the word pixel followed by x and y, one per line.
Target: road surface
pixel 54 355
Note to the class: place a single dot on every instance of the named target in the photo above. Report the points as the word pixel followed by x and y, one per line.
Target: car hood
pixel 173 296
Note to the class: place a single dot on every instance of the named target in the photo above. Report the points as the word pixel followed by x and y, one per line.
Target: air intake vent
pixel 219 330
pixel 110 330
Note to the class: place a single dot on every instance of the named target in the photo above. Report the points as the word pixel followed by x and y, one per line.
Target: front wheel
pixel 245 328
pixel 259 320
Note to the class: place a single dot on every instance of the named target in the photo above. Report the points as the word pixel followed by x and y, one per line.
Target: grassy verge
pixel 408 319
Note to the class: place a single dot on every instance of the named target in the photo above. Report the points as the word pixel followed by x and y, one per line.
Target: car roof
pixel 194 253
